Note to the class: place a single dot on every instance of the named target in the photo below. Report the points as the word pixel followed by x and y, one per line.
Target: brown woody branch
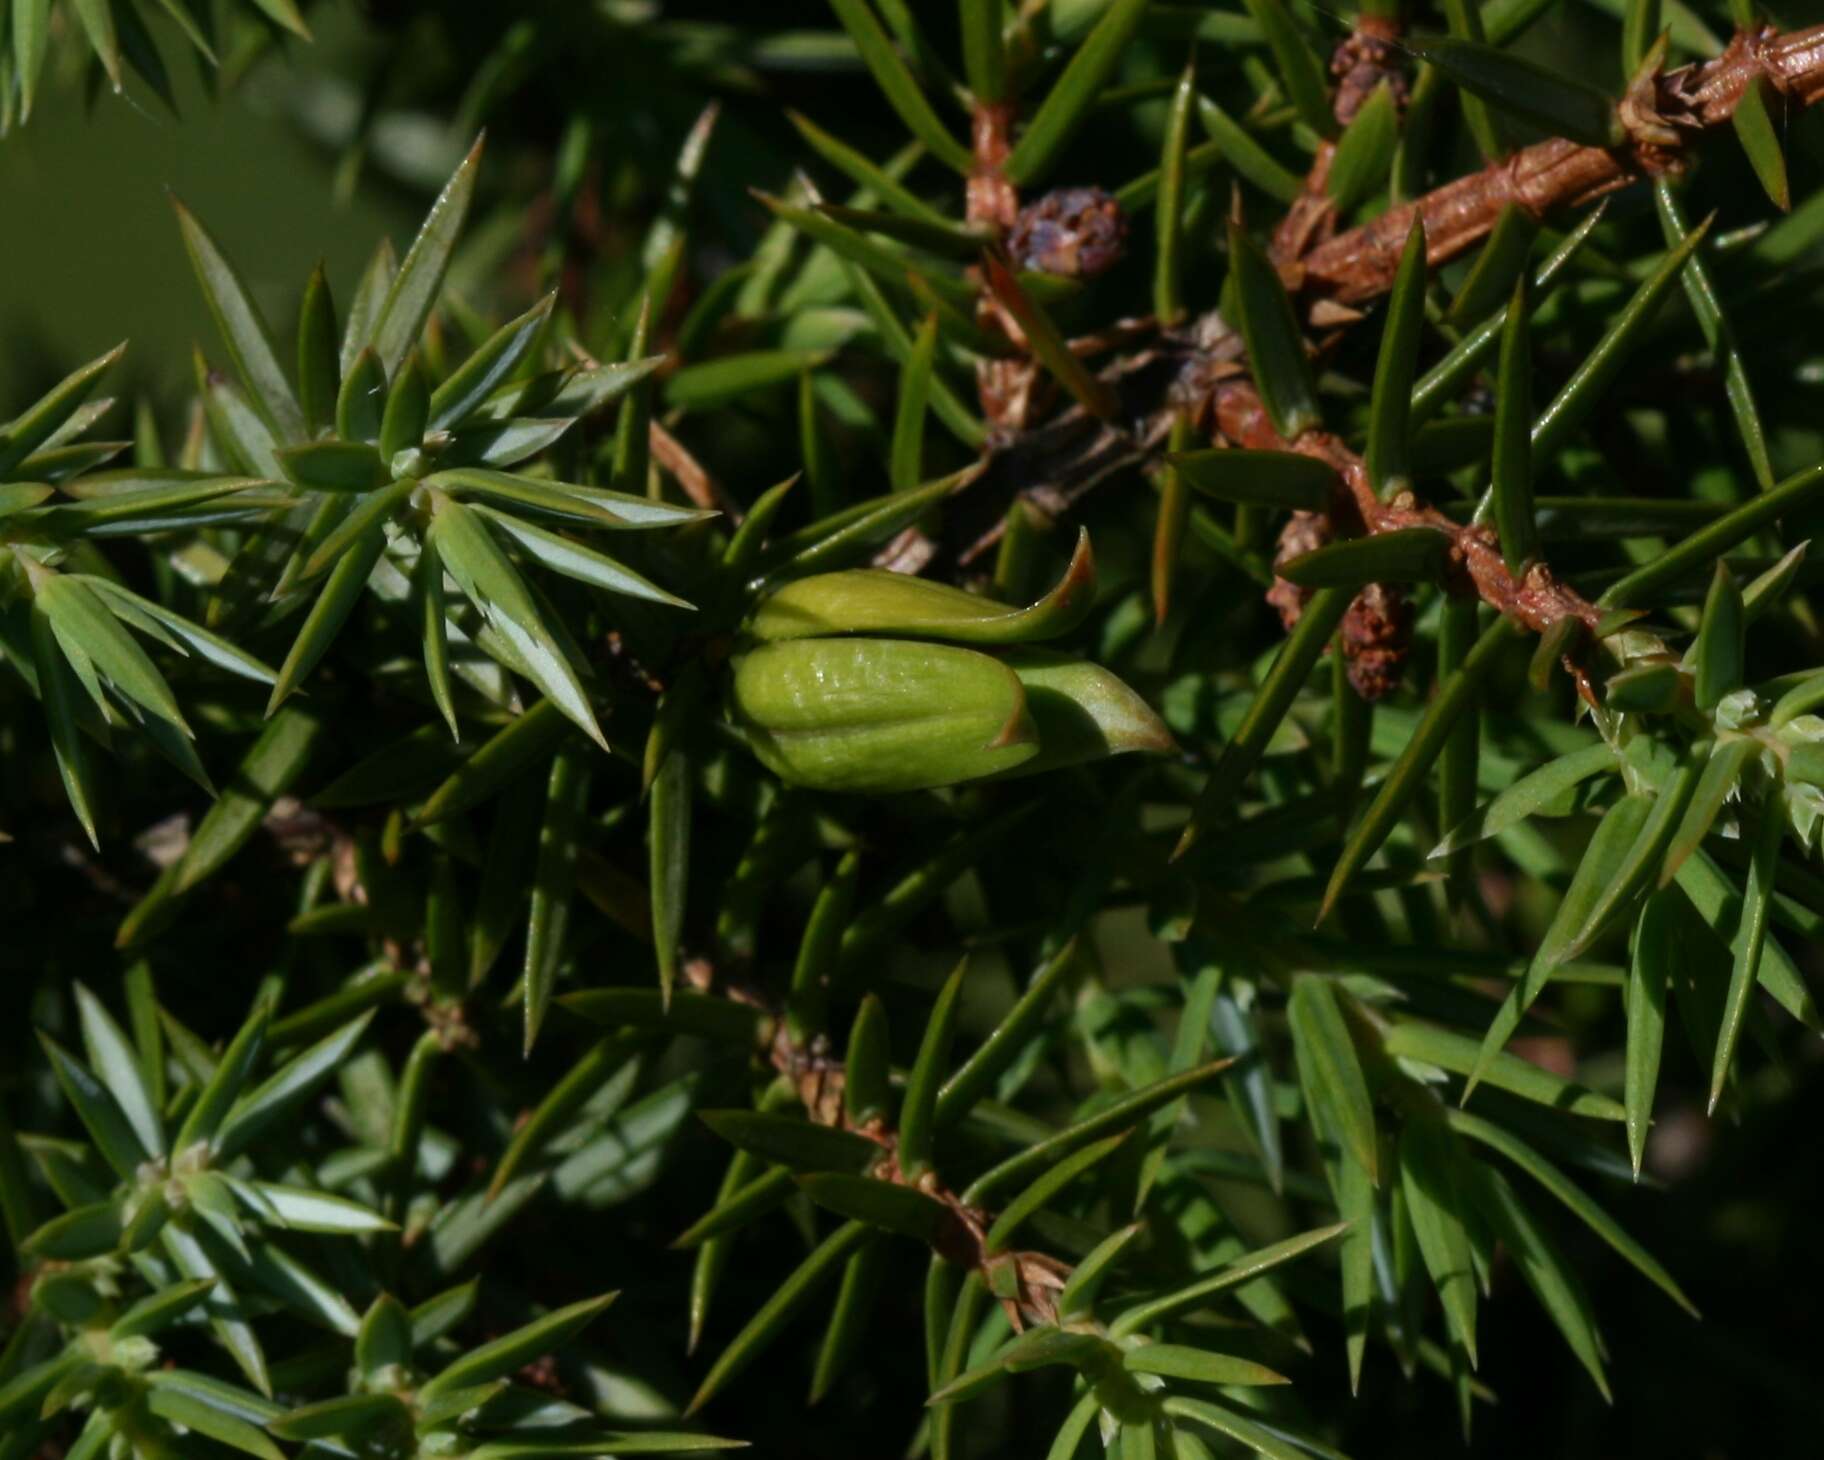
pixel 1533 598
pixel 1368 56
pixel 1358 266
pixel 818 1080
pixel 1663 114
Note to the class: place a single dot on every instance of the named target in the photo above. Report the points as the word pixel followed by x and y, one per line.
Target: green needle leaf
pixel 408 404
pixel 1432 1172
pixel 799 1145
pixel 1168 303
pixel 361 399
pixel 349 1415
pixel 906 456
pixel 1047 342
pixel 898 85
pixel 309 1211
pixel 671 793
pixel 89 635
pixel 879 182
pixel 40 424
pixel 491 582
pixel 434 627
pixel 1721 776
pixel 243 330
pixel 285 12
pixel 1578 397
pixel 866 1093
pixel 1617 835
pixel 157 1311
pixel 594 506
pixel 1459 1055
pixel 505 1355
pixel 1649 975
pixel 1276 350
pixel 1641 865
pixel 1720 652
pixel 1715 897
pixel 97 18
pixel 882 1204
pixel 1551 100
pixel 1552 1279
pixel 754 1200
pixel 553 881
pixel 1078 1296
pixel 844 1339
pixel 225 1086
pixel 509 753
pixel 1512 487
pixel 31 44
pixel 1364 153
pixel 1454 698
pixel 818 953
pixel 1442 382
pixel 1249 159
pixel 1226 1422
pixel 918 1110
pixel 334 466
pixel 1034 1198
pixel 1749 943
pixel 333 605
pixel 1176 1361
pixel 1068 103
pixel 115 1060
pixel 490 366
pixel 570 558
pixel 1706 304
pixel 1709 543
pixel 1119 1114
pixel 687 1013
pixel 281 1092
pixel 1281 479
pixel 370 294
pixel 1529 796
pixel 1387 458
pixel 1291 667
pixel 778 1310
pixel 1755 130
pixel 319 362
pixel 1331 1069
pixel 206 1420
pixel 1566 1191
pixel 413 293
pixel 1300 67
pixel 1405 555
pixel 1498 267
pixel 996 1054
pixel 984 61
pixel 62 692
pixel 1243 1269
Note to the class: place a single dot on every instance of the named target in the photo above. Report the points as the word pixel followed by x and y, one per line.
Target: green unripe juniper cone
pixel 829 701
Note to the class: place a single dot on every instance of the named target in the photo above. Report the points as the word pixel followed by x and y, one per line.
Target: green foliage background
pixel 271 168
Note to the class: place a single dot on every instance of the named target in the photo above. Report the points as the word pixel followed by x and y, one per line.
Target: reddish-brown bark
pixel 1534 598
pixel 1036 1277
pixel 1673 108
